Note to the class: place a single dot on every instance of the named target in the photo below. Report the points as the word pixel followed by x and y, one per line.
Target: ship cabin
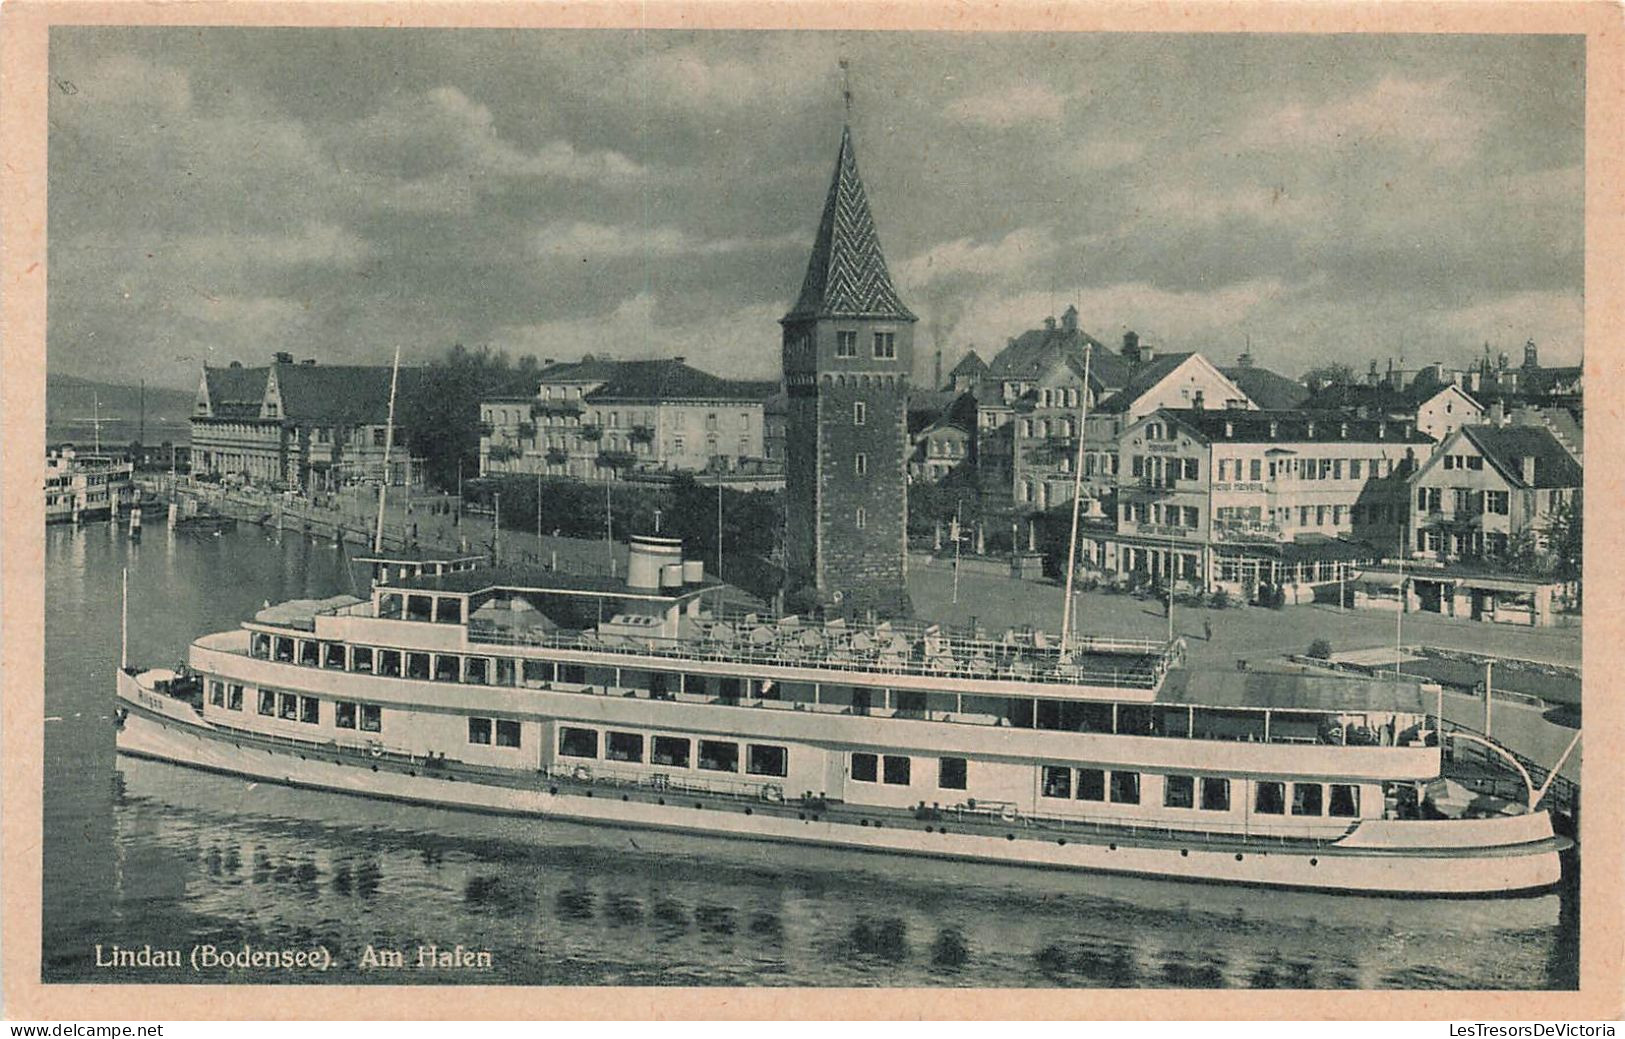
pixel 390 567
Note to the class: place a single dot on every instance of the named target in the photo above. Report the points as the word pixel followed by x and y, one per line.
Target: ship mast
pixel 389 441
pixel 1077 494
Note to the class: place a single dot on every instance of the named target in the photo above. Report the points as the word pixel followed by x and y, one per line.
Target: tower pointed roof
pixel 847 275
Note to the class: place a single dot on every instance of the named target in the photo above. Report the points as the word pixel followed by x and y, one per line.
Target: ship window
pixel 1126 788
pixel 310 710
pixel 289 707
pixel 361 659
pixel 1306 798
pixel 267 702
pixel 389 662
pixel 284 650
pixel 623 746
pixel 1215 794
pixel 1091 784
pixel 445 667
pixel 449 610
pixel 507 733
pixel 1178 792
pixel 505 671
pixel 419 607
pixel 308 652
pixel 262 645
pixel 866 768
pixel 766 760
pixel 217 693
pixel 343 715
pixel 389 606
pixel 1270 799
pixel 895 770
pixel 578 743
pixel 670 750
pixel 476 671
pixel 1345 801
pixel 538 672
pixel 574 674
pixel 234 698
pixel 417 665
pixel 372 718
pixel 479 731
pixel 1137 720
pixel 1057 781
pixel 717 756
pixel 951 773
pixel 333 654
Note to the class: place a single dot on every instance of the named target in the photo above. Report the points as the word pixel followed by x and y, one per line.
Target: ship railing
pixel 979 811
pixel 1045 670
pixel 372 750
pixel 594 772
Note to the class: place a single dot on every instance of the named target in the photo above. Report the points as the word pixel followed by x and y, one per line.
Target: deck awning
pixel 1291 692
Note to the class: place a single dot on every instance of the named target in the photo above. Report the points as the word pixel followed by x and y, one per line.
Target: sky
pixel 223 194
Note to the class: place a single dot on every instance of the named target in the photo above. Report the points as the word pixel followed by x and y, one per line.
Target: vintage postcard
pixel 1003 512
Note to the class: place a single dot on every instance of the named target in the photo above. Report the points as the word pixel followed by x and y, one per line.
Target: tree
pixel 1566 537
pixel 439 407
pixel 1336 374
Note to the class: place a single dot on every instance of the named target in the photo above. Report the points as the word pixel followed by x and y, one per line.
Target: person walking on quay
pixel 1207 629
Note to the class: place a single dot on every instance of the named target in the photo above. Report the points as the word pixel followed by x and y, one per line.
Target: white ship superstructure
pixel 86 486
pixel 635 702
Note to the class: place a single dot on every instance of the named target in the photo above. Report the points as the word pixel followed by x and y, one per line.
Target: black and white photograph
pixel 813 509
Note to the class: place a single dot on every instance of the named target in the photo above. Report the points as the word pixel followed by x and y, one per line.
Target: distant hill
pixel 71 404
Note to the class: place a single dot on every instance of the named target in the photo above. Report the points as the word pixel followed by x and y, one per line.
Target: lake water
pixel 141 853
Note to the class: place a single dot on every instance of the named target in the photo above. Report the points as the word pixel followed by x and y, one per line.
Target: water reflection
pixel 141 851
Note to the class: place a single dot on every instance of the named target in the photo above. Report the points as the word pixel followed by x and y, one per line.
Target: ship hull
pixel 169 730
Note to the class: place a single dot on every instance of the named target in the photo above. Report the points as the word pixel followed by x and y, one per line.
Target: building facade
pixel 607 420
pixel 1488 487
pixel 301 426
pixel 848 346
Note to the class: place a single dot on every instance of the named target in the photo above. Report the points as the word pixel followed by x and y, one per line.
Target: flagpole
pixel 124 623
pixel 1077 494
pixel 389 442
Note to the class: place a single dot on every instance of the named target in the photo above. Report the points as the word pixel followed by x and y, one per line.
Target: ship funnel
pixel 647 556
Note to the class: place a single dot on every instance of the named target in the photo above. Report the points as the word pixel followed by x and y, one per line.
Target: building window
pixel 1306 799
pixel 578 743
pixel 1495 502
pixel 765 760
pixel 1125 788
pixel 1270 798
pixel 344 715
pixel 1345 801
pixel 866 768
pixel 862 519
pixel 951 773
pixel 1179 792
pixel 895 770
pixel 1057 781
pixel 846 344
pixel 860 413
pixel 479 731
pixel 885 346
pixel 669 750
pixel 860 464
pixel 623 746
pixel 1215 794
pixel 718 756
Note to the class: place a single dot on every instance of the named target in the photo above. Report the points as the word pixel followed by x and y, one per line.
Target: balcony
pixel 555 407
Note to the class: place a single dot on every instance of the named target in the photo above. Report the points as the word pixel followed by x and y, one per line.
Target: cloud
pixel 1014 106
pixel 580 239
pixel 1204 205
pixel 1436 119
pixel 1555 320
pixel 315 244
pixel 775 72
pixel 1016 252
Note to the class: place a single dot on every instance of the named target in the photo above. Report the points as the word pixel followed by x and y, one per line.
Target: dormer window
pixel 1311 428
pixel 1275 427
pixel 1343 430
pixel 1230 430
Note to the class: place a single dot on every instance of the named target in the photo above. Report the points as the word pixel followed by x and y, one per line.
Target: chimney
pixel 1131 346
pixel 1531 358
pixel 283 357
pixel 1497 415
pixel 308 360
pixel 681 359
pixel 1049 323
pixel 235 364
pixel 1069 320
pixel 1382 431
pixel 1527 463
pixel 547 362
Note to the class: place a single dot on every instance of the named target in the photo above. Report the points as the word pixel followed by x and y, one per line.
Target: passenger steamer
pixel 639 703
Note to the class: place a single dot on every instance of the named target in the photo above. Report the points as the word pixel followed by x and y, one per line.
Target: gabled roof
pixel 671 380
pixel 1506 446
pixel 1239 425
pixel 235 392
pixel 971 364
pixel 1144 377
pixel 1381 398
pixel 594 370
pixel 946 410
pixel 1032 353
pixel 312 394
pixel 847 275
pixel 1265 388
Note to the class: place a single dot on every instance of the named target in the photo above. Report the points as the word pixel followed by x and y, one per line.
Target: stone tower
pixel 848 349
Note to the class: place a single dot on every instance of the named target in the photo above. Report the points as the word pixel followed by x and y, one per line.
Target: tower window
pixel 860 413
pixel 846 344
pixel 862 518
pixel 861 464
pixel 885 346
